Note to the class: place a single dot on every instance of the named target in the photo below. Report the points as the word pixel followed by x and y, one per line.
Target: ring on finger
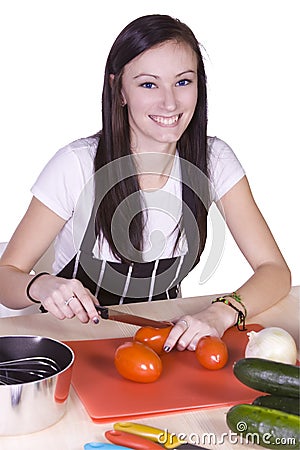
pixel 69 300
pixel 184 322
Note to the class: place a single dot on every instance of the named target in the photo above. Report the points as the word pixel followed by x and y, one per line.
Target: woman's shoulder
pixel 62 180
pixel 83 149
pixel 224 167
pixel 219 152
pixel 216 147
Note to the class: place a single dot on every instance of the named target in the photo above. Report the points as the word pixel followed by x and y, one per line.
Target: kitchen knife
pixel 118 316
pixel 131 440
pixel 163 437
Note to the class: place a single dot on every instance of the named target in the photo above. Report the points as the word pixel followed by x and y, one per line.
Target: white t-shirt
pixel 66 187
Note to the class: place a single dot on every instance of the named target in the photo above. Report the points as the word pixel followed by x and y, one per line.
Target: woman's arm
pixel 29 242
pixel 270 281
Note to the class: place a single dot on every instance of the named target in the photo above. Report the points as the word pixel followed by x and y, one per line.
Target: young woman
pixel 127 207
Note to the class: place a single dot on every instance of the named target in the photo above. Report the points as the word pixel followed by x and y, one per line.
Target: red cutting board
pixel 184 385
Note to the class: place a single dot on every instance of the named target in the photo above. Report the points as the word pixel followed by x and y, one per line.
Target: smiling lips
pixel 166 121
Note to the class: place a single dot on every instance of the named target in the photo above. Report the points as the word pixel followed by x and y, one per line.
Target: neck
pixel 153 169
pixel 145 146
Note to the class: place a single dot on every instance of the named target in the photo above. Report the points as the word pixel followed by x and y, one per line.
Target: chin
pixel 167 139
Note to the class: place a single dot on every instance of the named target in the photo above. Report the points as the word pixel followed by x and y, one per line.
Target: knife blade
pixel 131 440
pixel 132 319
pixel 163 437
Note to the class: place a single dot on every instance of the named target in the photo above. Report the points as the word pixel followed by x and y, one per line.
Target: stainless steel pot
pixel 30 406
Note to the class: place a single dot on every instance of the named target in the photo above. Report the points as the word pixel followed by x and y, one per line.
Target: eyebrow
pixel 156 76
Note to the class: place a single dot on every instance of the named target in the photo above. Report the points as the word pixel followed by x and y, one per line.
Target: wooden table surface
pixel 76 428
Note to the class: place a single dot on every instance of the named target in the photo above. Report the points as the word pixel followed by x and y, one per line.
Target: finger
pixel 184 341
pixel 67 309
pixel 87 311
pixel 83 306
pixel 198 333
pixel 194 342
pixel 57 303
pixel 176 335
pixel 187 332
pixel 61 306
pixel 79 311
pixel 52 308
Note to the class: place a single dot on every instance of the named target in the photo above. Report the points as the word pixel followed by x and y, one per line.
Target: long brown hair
pixel 114 138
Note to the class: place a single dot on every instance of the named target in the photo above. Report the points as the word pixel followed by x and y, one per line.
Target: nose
pixel 168 99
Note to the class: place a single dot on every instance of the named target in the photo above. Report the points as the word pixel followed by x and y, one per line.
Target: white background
pixel 52 63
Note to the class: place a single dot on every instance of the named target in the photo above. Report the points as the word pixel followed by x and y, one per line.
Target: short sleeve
pixel 224 168
pixel 61 181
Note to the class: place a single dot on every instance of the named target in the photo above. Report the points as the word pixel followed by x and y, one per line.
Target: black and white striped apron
pixel 116 283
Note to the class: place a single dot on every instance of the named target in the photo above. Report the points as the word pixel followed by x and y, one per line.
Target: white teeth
pixel 165 120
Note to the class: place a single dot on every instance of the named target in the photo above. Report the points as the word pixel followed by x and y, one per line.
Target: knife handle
pixel 131 440
pixel 103 311
pixel 163 437
pixel 103 446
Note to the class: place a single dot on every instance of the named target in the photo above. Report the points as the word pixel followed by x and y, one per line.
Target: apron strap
pixel 180 266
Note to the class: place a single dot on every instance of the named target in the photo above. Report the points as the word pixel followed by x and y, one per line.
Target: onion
pixel 272 343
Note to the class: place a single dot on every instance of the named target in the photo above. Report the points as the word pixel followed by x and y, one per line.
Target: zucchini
pixel 287 404
pixel 269 376
pixel 263 426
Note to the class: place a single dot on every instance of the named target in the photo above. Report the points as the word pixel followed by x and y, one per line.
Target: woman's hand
pixel 65 298
pixel 188 330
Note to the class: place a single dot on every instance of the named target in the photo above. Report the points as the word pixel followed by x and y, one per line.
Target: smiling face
pixel 160 89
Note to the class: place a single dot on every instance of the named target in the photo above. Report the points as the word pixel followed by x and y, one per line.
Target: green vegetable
pixel 269 376
pixel 266 427
pixel 286 404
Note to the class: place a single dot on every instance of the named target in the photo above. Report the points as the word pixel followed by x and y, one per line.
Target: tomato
pixel 137 362
pixel 212 352
pixel 153 337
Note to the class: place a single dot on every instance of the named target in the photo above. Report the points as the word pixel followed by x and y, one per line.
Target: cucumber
pixel 287 404
pixel 263 426
pixel 269 376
